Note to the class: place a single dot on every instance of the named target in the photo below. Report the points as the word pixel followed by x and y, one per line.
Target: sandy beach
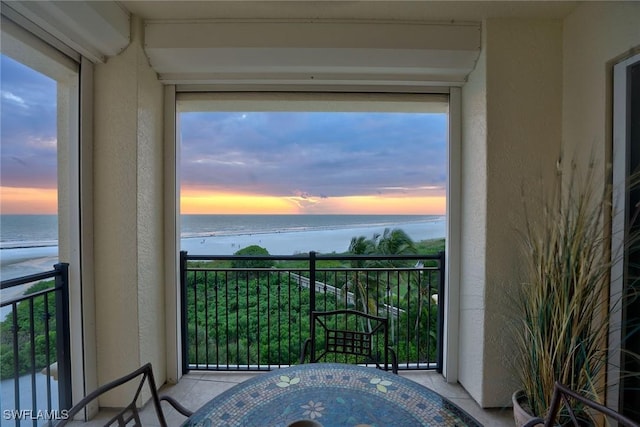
pixel 322 241
pixel 24 261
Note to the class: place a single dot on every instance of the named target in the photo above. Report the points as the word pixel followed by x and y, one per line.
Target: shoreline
pixel 293 242
pixel 18 262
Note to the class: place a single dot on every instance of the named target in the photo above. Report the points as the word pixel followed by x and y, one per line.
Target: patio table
pixel 331 394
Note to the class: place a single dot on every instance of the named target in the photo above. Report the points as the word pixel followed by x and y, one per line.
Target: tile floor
pixel 197 388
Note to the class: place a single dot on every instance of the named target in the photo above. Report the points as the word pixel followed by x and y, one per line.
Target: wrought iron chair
pixel 563 396
pixel 349 336
pixel 130 415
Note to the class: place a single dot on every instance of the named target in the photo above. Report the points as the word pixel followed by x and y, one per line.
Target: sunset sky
pixel 246 162
pixel 313 162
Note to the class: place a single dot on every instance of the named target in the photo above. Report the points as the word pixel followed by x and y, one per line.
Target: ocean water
pixel 28 243
pixel 28 231
pixel 223 225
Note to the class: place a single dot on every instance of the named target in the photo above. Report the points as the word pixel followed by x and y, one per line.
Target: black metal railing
pixel 253 312
pixel 35 346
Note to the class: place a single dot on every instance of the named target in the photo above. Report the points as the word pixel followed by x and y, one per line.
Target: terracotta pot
pixel 520 414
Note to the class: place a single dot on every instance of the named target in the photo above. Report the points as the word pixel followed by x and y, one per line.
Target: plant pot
pixel 521 414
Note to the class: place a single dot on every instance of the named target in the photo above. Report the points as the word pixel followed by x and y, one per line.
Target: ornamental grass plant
pixel 563 304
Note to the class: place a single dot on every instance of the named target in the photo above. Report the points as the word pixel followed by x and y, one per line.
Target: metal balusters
pixel 286 294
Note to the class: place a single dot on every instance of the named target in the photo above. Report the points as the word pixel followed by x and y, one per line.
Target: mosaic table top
pixel 333 395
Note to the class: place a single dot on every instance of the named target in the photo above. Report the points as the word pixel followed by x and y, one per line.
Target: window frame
pixel 26 43
pixel 621 159
pixel 175 94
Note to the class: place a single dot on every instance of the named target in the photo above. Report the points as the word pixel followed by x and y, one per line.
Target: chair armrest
pixel 177 406
pixel 305 348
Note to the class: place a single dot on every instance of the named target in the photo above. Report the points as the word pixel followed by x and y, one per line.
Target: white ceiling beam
pixel 312 53
pixel 95 29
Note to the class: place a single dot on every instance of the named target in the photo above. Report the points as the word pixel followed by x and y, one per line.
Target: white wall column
pixel 512 109
pixel 128 214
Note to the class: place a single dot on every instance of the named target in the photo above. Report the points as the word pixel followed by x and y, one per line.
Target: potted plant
pixel 563 307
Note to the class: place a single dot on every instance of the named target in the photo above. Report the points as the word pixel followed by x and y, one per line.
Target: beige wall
pixel 128 206
pixel 596 35
pixel 524 87
pixel 150 219
pixel 511 137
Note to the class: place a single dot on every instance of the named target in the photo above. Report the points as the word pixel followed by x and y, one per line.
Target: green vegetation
pixel 30 345
pixel 263 318
pixel 253 250
pixel 264 321
pixel 430 247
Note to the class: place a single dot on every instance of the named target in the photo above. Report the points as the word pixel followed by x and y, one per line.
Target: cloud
pixel 314 154
pixel 304 202
pixel 10 97
pixel 420 188
pixel 28 153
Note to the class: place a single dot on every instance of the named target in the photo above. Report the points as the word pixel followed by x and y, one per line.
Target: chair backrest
pixel 129 415
pixel 569 404
pixel 349 336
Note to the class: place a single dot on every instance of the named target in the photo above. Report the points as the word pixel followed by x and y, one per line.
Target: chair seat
pixel 349 336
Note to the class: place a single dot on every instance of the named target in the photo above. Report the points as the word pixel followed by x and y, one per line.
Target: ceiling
pixel 419 10
pixel 295 45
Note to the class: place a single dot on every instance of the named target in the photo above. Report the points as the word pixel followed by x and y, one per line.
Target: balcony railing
pixel 35 347
pixel 253 312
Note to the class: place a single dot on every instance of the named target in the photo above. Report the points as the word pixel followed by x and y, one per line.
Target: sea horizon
pixel 24 231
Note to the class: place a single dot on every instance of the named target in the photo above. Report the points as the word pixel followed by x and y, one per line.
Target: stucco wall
pixel 510 142
pixel 595 36
pixel 129 283
pixel 524 110
pixel 151 277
